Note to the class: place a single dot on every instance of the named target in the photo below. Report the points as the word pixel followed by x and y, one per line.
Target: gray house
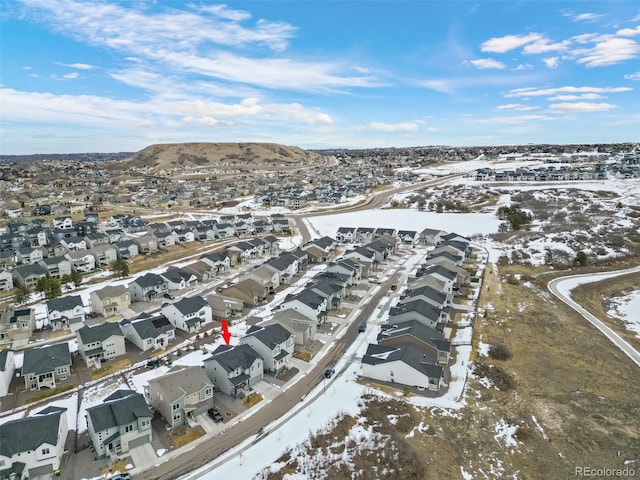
pixel 43 366
pixel 273 343
pixel 235 370
pixel 120 423
pixel 147 332
pixel 102 342
pixel 66 312
pixel 147 287
pixel 181 394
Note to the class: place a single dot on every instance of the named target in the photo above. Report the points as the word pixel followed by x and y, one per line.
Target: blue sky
pixel 102 76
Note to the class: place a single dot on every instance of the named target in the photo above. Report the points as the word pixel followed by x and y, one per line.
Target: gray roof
pixel 28 433
pixel 189 305
pixel 408 353
pixel 419 331
pixel 110 291
pixel 307 297
pixel 418 306
pixel 149 280
pixel 4 355
pixel 176 275
pixel 121 408
pixel 46 359
pixel 180 381
pixel 31 269
pixel 269 335
pixel 150 327
pixel 428 292
pixel 99 333
pixel 232 358
pixel 62 304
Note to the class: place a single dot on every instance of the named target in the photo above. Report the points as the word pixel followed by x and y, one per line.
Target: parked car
pixel 153 362
pixel 169 296
pixel 215 415
pixel 121 476
pixel 329 372
pixel 362 327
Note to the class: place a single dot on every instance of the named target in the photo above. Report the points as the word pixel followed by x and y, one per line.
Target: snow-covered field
pixel 627 309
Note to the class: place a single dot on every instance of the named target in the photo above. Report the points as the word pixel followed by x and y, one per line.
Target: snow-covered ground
pixel 627 309
pixel 408 219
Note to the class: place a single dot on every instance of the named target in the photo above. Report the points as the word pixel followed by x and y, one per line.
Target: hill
pixel 231 155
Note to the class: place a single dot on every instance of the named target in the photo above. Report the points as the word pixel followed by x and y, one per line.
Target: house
pixel 104 255
pixel 189 313
pixel 100 343
pixel 179 279
pixel 433 282
pixel 431 236
pixel 81 260
pixel 331 291
pixel 147 332
pixel 121 422
pixel 220 261
pixel 33 446
pixel 346 234
pixel 426 338
pixel 74 243
pixel 182 235
pixel 444 258
pixel 6 281
pixel 165 239
pixel 126 249
pixel 203 271
pixel 7 259
pixel 94 239
pixel 385 232
pixel 235 370
pixel 27 276
pixel 271 243
pixel 148 287
pixel 56 267
pixel 146 243
pixel 302 327
pixel 309 303
pixel 364 257
pixel 347 267
pixel 248 291
pixel 285 265
pixel 63 222
pixel 408 237
pixel 181 394
pixel 28 255
pixel 17 324
pixel 435 297
pixel 327 244
pixel 273 343
pixel 265 276
pixel 66 312
pixel 110 300
pixel 224 307
pixel 364 235
pixel 7 370
pixel 43 366
pixel 406 365
pixel 225 230
pixel 316 254
pixel 421 311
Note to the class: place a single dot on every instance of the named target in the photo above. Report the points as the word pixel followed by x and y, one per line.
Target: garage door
pixel 138 441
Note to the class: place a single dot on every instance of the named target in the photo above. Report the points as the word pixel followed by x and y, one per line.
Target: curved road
pixel 562 286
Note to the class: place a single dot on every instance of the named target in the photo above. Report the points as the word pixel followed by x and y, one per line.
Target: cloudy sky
pixel 103 76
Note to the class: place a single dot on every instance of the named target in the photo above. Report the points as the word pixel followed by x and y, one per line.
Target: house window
pixel 208 392
pixel 145 424
pixel 176 406
pixel 45 451
pixel 177 417
pixel 128 428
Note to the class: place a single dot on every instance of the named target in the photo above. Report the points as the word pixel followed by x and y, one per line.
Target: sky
pixel 109 76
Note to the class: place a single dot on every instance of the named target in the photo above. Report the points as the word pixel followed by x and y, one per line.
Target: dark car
pixel 169 296
pixel 215 415
pixel 362 327
pixel 329 372
pixel 153 363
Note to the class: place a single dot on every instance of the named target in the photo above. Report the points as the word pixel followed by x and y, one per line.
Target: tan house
pixel 249 291
pixel 110 300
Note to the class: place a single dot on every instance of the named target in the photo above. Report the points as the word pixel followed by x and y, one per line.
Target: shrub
pixel 499 351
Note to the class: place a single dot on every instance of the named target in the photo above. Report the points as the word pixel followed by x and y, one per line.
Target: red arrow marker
pixel 225 332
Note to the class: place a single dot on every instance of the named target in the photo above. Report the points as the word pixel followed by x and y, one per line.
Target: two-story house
pixel 66 312
pixel 148 332
pixel 110 300
pixel 27 276
pixel 6 281
pixel 99 343
pixel 148 287
pixel 17 324
pixel 81 260
pixel 181 394
pixel 56 267
pixel 188 314
pixel 120 423
pixel 44 366
pixel 33 446
pixel 235 370
pixel 104 255
pixel 273 343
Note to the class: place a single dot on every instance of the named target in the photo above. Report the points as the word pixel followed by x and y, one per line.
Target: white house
pixel 102 342
pixel 33 446
pixel 7 370
pixel 66 312
pixel 189 313
pixel 147 332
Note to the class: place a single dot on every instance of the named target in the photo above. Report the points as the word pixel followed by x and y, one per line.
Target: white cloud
pixel 581 107
pixel 545 92
pixel 223 11
pixel 608 52
pixel 567 98
pixel 583 17
pixel 629 32
pixel 70 76
pixel 543 46
pixel 509 42
pixel 79 66
pixel 27 67
pixel 523 66
pixel 515 119
pixel 393 127
pixel 551 62
pixel 516 107
pixel 486 63
pixel 633 76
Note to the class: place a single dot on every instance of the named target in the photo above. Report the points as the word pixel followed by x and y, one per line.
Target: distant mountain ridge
pixel 166 156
